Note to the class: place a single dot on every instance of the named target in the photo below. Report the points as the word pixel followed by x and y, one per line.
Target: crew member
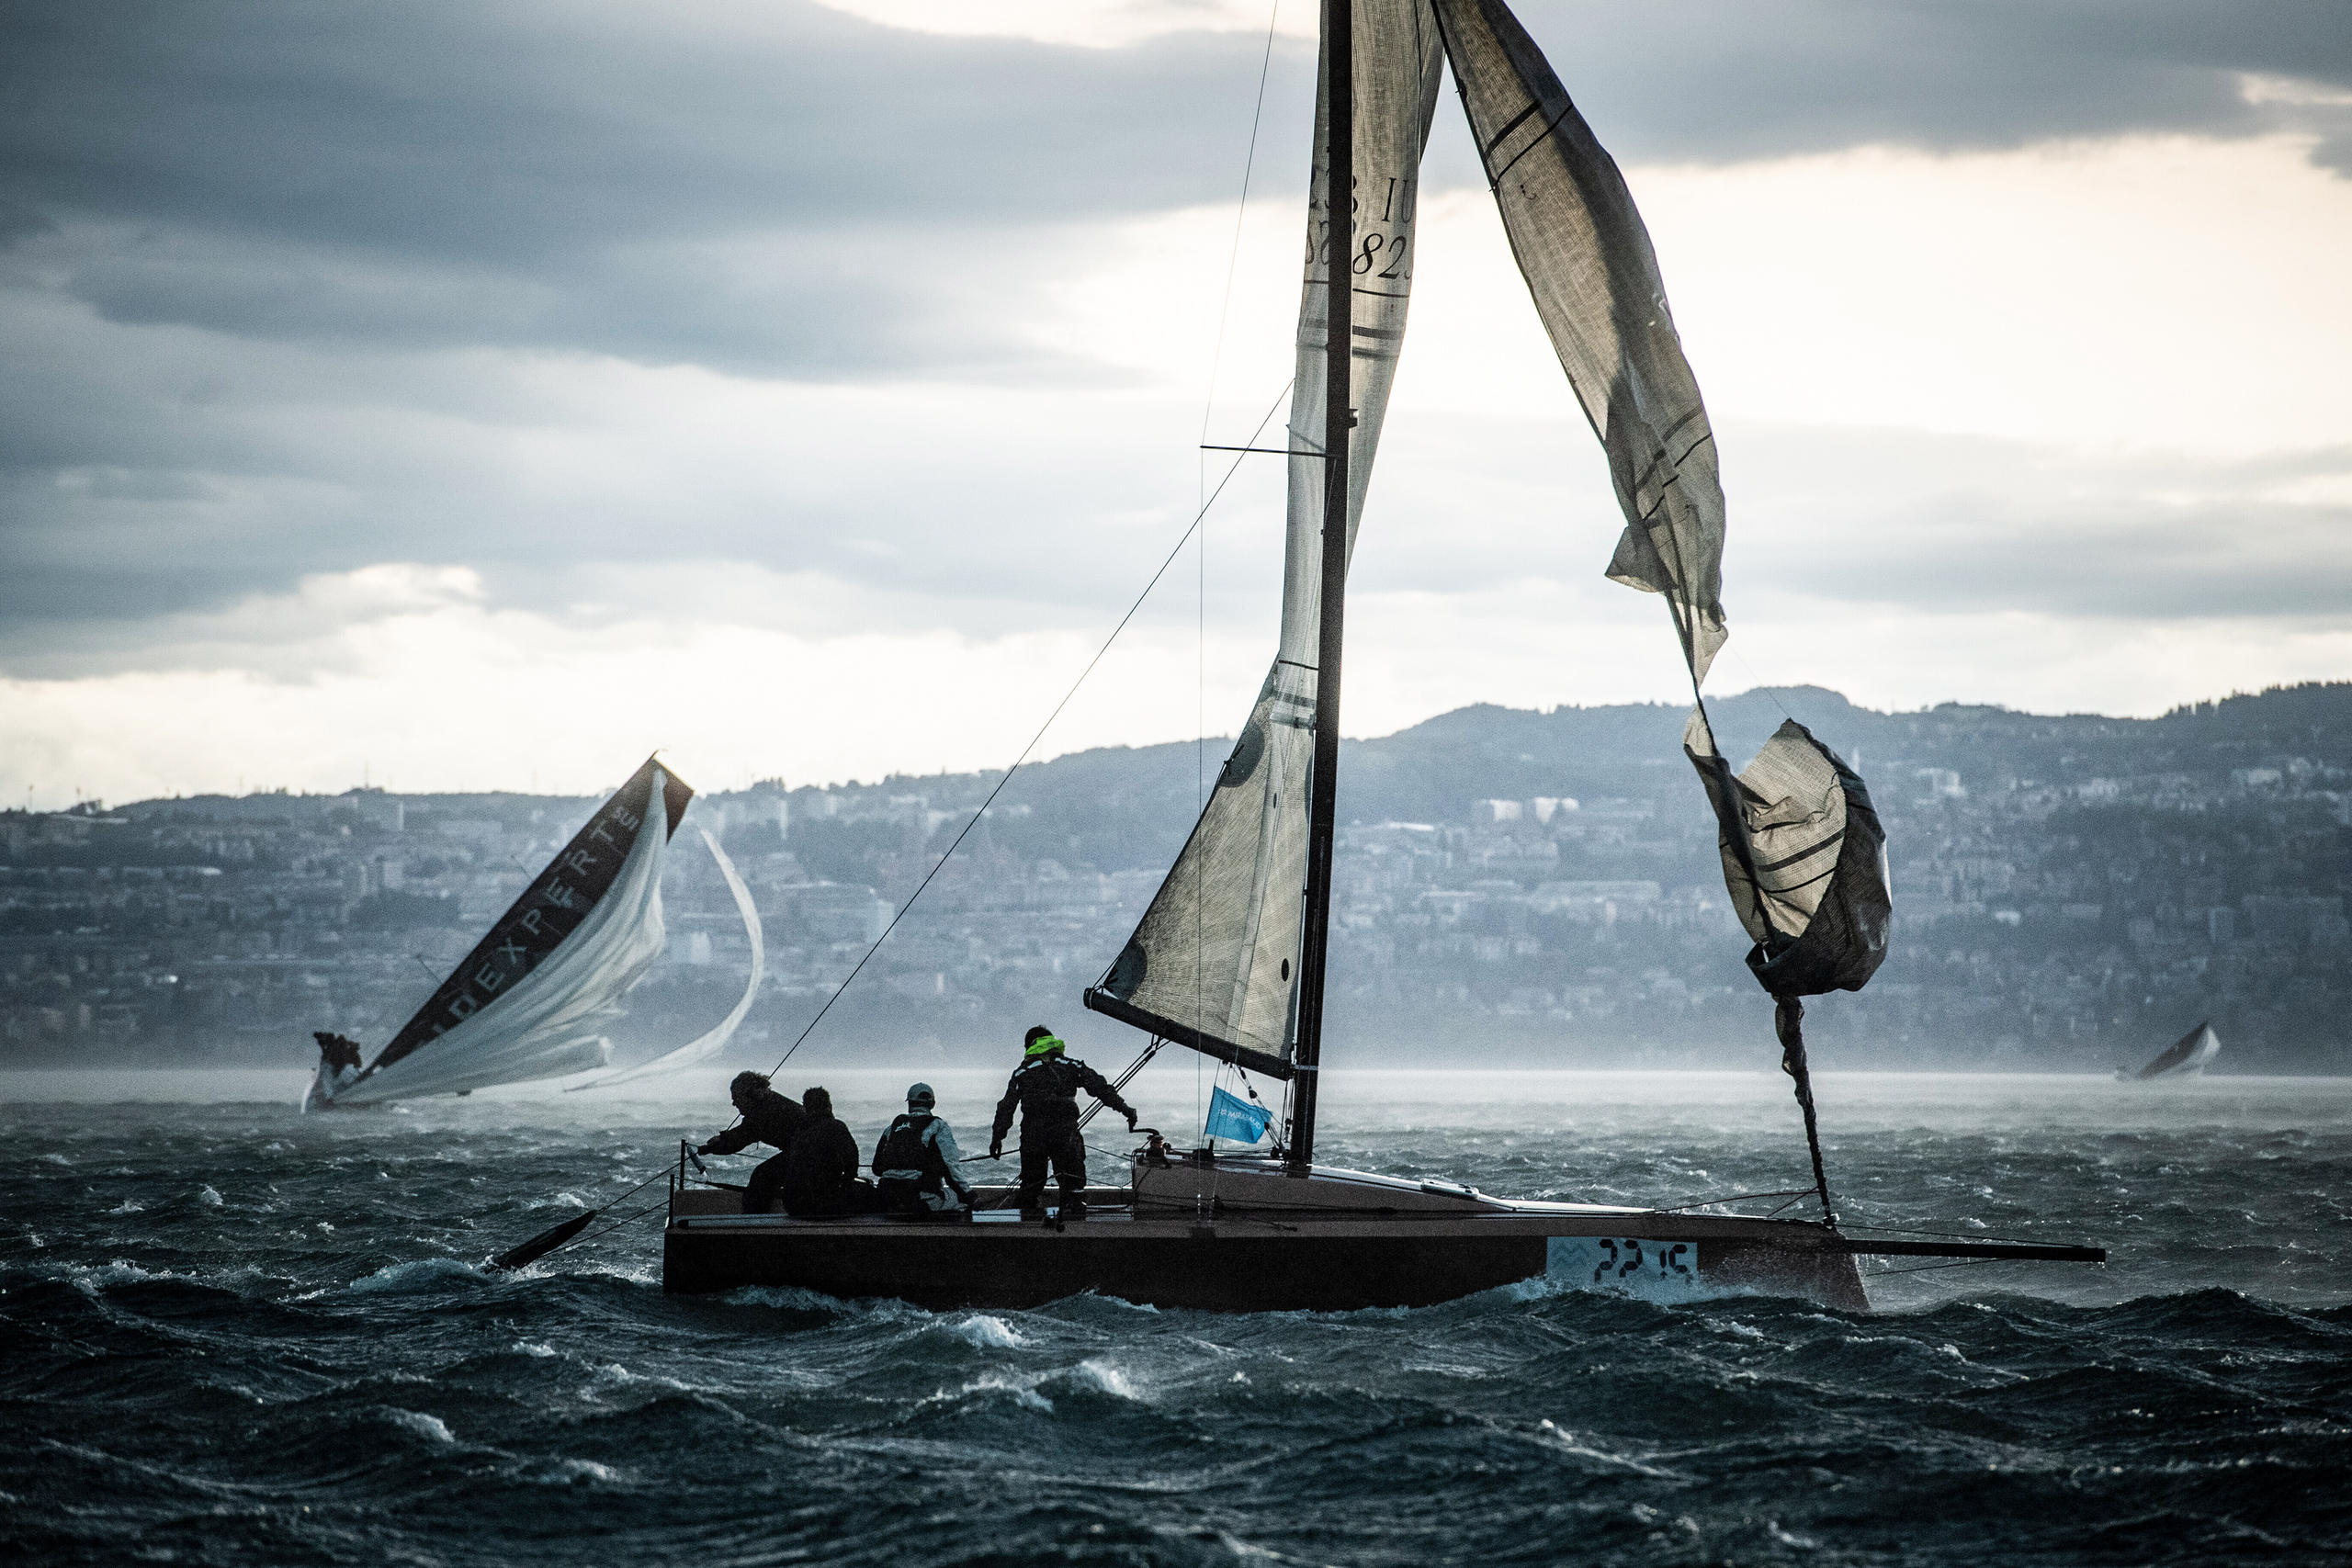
pixel 336 1053
pixel 822 1175
pixel 915 1165
pixel 768 1118
pixel 1045 1085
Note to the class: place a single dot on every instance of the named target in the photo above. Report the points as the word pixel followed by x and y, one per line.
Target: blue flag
pixel 1233 1117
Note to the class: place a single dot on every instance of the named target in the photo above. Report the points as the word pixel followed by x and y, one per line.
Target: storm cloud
pixel 292 288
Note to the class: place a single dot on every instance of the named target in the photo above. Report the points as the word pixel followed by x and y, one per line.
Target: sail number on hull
pixel 1636 1265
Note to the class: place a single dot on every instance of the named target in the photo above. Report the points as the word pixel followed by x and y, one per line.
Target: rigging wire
pixel 1200 563
pixel 975 820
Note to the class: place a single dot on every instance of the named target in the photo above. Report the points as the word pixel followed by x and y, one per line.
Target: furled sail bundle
pixel 1804 854
pixel 531 1000
pixel 1214 965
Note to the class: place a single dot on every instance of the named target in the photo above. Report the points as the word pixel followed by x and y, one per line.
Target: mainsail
pixel 1214 965
pixel 530 1000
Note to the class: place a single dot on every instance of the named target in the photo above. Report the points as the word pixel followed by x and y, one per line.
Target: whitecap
pixel 1104 1377
pixel 1027 1397
pixel 428 1427
pixel 208 1197
pixel 565 1471
pixel 114 1273
pixel 414 1273
pixel 985 1333
pixel 127 1207
pixel 55 1159
pixel 533 1347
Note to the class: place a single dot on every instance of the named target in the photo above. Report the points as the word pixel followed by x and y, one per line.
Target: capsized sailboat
pixel 534 997
pixel 2184 1058
pixel 1230 957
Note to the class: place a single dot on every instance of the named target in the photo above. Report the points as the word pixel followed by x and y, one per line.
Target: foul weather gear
pixel 914 1166
pixel 1065 1149
pixel 821 1176
pixel 1045 1090
pixel 768 1118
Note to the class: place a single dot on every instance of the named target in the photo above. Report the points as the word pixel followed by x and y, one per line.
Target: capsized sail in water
pixel 532 998
pixel 2184 1058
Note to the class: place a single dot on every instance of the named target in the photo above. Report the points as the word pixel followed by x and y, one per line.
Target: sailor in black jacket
pixel 1044 1088
pixel 821 1177
pixel 768 1118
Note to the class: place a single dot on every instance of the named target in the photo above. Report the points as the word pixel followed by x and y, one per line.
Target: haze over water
pixel 232 1335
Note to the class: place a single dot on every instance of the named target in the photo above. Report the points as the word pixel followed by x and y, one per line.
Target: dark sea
pixel 234 1335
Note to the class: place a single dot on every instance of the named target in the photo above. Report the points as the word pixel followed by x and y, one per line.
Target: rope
pixel 1738 1197
pixel 624 1219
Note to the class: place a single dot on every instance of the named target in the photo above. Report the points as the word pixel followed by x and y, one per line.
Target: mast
pixel 1338 418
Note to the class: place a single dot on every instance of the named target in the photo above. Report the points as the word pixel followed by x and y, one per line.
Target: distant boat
pixel 532 1000
pixel 2184 1058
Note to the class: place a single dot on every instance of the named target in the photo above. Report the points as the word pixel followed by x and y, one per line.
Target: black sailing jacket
pixel 770 1119
pixel 822 1163
pixel 1046 1089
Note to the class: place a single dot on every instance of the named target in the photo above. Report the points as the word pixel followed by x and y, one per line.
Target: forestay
pixel 1587 258
pixel 1213 964
pixel 529 1002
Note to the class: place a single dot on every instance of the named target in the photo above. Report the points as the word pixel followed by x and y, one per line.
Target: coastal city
pixel 2070 894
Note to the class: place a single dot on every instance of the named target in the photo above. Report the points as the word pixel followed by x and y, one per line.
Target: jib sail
pixel 1215 962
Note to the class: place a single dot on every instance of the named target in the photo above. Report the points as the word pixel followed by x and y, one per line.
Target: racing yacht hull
pixel 1249 1235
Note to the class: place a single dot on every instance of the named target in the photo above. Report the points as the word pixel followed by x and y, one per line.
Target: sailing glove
pixel 1131 1120
pixel 996 1148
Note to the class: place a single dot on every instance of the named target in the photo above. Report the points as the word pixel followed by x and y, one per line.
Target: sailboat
pixel 1229 960
pixel 2184 1058
pixel 532 998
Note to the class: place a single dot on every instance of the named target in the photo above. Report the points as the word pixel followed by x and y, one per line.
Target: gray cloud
pixel 245 246
pixel 559 176
pixel 1759 78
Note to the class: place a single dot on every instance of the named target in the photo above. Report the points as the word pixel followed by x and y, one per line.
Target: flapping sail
pixel 2185 1057
pixel 1214 961
pixel 706 1047
pixel 1804 860
pixel 1587 258
pixel 529 1002
pixel 1803 855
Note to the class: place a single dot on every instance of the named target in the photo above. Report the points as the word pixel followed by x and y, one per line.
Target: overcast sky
pixel 484 394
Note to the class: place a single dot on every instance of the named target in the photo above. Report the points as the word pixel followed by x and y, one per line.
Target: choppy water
pixel 229 1335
